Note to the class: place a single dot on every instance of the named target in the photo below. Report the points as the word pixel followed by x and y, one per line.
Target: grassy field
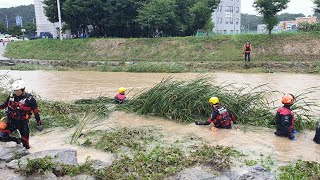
pixel 279 47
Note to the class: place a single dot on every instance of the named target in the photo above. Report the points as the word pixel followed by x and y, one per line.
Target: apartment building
pixel 227 17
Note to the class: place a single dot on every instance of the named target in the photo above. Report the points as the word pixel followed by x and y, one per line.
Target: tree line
pixel 134 18
pixel 8 17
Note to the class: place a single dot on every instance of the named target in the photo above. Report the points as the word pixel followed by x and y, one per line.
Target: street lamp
pixel 59 16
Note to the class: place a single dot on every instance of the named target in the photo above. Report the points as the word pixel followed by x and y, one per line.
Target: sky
pixel 295 6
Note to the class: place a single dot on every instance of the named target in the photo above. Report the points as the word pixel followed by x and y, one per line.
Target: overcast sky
pixel 295 6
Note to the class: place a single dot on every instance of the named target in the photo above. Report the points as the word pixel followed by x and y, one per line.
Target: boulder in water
pixel 11 150
pixel 60 156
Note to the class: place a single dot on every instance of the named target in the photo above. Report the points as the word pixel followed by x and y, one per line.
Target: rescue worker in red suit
pixel 220 116
pixel 20 106
pixel 121 97
pixel 285 118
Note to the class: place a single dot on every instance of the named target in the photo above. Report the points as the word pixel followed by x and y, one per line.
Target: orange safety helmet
pixel 3 125
pixel 287 99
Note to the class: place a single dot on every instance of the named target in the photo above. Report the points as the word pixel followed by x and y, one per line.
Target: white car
pixel 19 39
pixel 6 39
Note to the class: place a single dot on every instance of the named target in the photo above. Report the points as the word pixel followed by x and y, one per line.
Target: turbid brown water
pixel 71 85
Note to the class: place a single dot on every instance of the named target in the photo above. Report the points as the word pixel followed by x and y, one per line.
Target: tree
pixel 157 16
pixel 31 29
pixel 289 17
pixel 15 30
pixel 250 22
pixel 2 28
pixel 26 12
pixel 268 9
pixel 202 11
pixel 51 10
pixel 317 8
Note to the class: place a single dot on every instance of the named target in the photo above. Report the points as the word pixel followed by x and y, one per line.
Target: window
pixel 237 9
pixel 225 31
pixel 220 8
pixel 229 18
pixel 231 32
pixel 237 21
pixel 229 9
pixel 220 20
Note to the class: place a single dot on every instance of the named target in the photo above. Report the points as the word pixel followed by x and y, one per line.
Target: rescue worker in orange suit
pixel 121 97
pixel 247 51
pixel 20 105
pixel 285 118
pixel 220 117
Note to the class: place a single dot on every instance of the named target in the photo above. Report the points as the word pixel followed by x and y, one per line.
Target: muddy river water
pixel 72 85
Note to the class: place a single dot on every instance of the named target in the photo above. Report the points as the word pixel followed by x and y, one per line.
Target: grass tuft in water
pixel 300 170
pixel 186 101
pixel 115 139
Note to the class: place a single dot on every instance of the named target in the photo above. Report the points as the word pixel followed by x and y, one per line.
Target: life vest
pixel 120 97
pixel 285 118
pixel 223 119
pixel 247 48
pixel 19 110
pixel 316 138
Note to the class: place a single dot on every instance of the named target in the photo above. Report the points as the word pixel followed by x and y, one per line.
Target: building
pixel 42 22
pixel 287 25
pixel 311 19
pixel 227 17
pixel 261 28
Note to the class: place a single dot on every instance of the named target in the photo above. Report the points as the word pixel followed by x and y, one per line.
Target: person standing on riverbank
pixel 220 116
pixel 20 106
pixel 247 51
pixel 285 118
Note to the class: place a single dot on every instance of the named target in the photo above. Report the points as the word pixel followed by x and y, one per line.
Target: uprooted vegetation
pixel 114 140
pixel 300 170
pixel 186 101
pixel 157 163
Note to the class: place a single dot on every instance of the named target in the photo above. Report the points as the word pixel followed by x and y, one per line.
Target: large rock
pixel 194 173
pixel 254 173
pixel 7 174
pixel 47 176
pixel 257 173
pixel 78 177
pixel 61 156
pixel 11 150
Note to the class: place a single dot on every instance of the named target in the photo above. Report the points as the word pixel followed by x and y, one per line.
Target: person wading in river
pixel 220 116
pixel 19 108
pixel 285 118
pixel 247 51
pixel 316 138
pixel 121 97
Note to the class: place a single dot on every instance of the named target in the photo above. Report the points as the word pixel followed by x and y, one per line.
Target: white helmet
pixel 17 85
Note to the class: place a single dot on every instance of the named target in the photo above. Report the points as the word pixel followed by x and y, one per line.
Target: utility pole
pixel 59 16
pixel 7 22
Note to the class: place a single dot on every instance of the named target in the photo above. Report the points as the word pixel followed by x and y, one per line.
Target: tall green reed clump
pixel 186 100
pixel 304 109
